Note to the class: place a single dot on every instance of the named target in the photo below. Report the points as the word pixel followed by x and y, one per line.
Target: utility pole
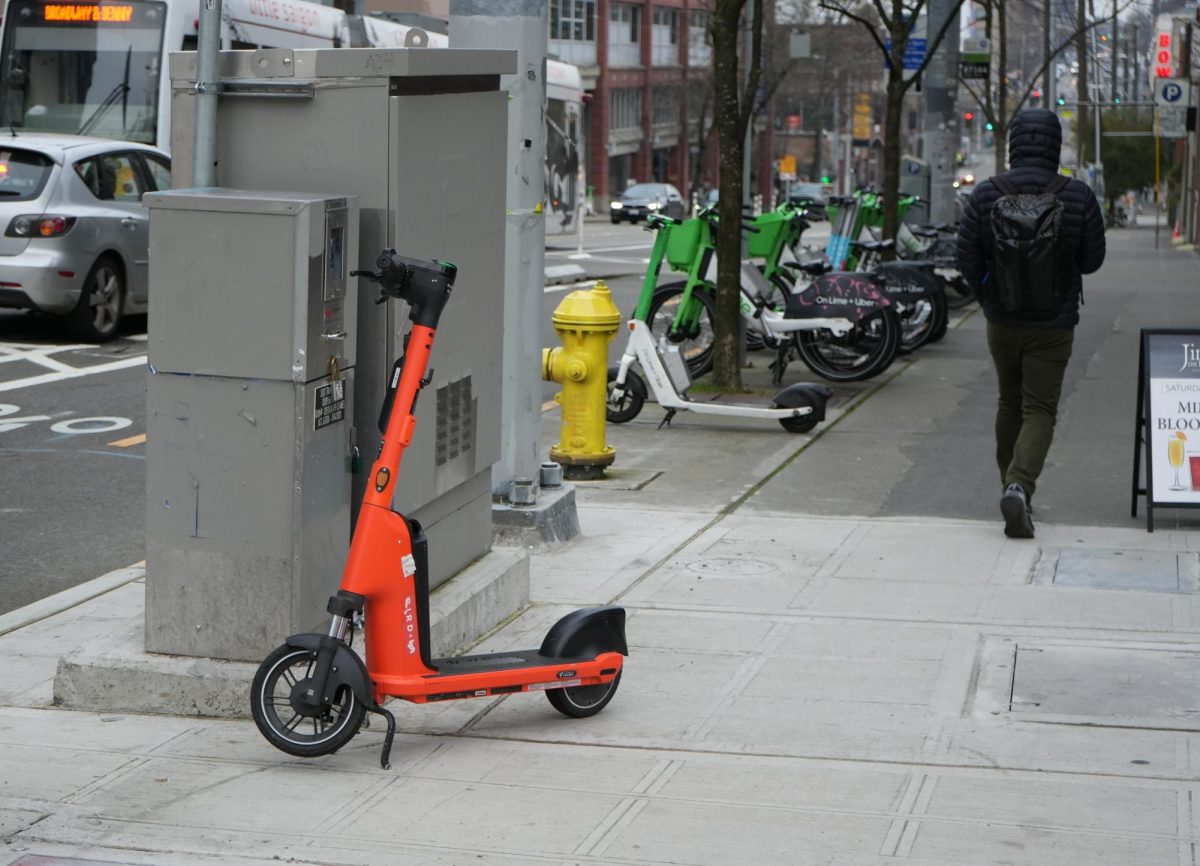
pixel 1115 46
pixel 1049 81
pixel 519 24
pixel 941 117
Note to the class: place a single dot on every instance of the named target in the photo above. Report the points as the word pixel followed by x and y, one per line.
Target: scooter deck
pixel 487 662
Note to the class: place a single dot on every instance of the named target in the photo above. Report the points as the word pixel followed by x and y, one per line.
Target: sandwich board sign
pixel 1167 431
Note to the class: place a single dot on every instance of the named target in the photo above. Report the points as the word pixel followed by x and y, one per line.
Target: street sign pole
pixel 941 117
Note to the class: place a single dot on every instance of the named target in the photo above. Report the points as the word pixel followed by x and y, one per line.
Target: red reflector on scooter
pixel 67 274
pixel 10 285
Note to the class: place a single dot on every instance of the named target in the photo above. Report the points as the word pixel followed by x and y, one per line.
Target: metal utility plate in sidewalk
pixel 1119 569
pixel 36 860
pixel 1094 683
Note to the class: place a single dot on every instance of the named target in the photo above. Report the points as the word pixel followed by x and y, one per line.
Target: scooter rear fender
pixel 348 668
pixel 587 632
pixel 805 394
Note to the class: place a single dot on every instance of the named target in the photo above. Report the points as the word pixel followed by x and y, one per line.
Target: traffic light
pixel 988 126
pixel 1062 101
pixel 824 178
pixel 968 116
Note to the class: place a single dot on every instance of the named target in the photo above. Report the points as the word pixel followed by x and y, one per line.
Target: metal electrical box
pixel 420 136
pixel 252 349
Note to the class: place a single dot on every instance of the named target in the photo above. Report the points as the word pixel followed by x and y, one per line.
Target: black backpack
pixel 1025 265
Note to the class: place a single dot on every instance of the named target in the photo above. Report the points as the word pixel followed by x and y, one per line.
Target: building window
pixel 699 37
pixel 664 110
pixel 664 37
pixel 624 35
pixel 573 20
pixel 625 108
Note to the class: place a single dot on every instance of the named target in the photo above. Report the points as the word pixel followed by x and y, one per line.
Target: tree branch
pixel 932 47
pixel 754 70
pixel 870 27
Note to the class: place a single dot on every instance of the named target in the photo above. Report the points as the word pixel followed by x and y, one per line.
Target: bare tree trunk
pixel 727 374
pixel 892 124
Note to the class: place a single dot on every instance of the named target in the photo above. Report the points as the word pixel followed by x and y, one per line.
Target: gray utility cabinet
pixel 420 136
pixel 252 353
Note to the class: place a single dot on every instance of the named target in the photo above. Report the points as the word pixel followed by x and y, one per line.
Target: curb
pixel 69 598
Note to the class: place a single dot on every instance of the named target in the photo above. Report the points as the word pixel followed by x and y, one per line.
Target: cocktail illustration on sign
pixel 1175 457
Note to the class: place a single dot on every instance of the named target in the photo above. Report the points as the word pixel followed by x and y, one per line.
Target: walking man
pixel 1025 239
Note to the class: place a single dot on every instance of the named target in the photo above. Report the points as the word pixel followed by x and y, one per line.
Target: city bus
pixel 100 68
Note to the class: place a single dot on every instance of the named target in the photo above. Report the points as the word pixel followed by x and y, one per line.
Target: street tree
pixel 889 22
pixel 734 110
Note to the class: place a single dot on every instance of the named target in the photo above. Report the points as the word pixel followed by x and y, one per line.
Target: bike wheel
pixel 942 324
pixel 620 411
pixel 287 724
pixel 919 321
pixel 696 339
pixel 865 351
pixel 583 701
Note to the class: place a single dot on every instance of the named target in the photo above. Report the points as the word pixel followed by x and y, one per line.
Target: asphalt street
pixel 72 457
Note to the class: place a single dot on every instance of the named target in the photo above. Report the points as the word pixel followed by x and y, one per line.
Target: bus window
pixel 86 68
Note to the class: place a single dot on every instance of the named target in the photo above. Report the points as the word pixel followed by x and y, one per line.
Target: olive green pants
pixel 1030 365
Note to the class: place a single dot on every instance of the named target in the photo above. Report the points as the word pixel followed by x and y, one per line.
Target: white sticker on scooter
pixel 408 564
pixel 562 684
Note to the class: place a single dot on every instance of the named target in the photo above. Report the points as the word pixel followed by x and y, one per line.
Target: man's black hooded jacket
pixel 1034 144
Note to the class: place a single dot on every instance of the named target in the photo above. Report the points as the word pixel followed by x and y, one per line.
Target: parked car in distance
pixel 643 199
pixel 74 235
pixel 811 196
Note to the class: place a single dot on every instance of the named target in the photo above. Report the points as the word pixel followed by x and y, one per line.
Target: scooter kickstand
pixel 387 738
pixel 666 419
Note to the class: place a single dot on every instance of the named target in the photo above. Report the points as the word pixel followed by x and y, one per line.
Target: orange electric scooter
pixel 310 695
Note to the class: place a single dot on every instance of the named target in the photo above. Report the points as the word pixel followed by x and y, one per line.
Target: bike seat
pixel 873 246
pixel 815 267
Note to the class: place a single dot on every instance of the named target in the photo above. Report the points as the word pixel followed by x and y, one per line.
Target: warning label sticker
pixel 330 404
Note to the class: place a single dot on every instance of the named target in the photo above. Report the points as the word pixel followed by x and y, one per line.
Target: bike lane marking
pixel 61 372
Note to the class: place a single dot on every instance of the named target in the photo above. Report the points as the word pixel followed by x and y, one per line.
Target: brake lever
pixel 370 275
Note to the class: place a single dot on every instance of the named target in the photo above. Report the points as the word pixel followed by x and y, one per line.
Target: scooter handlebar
pixel 425 286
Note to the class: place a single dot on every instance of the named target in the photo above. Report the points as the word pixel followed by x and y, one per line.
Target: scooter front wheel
pixel 619 410
pixel 289 725
pixel 583 701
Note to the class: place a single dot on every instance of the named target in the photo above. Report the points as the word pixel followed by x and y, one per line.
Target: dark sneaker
pixel 1014 505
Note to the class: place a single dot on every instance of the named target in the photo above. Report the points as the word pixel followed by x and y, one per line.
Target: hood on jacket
pixel 1035 139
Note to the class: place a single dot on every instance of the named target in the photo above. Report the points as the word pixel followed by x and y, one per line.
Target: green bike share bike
pixel 843 326
pixel 688 244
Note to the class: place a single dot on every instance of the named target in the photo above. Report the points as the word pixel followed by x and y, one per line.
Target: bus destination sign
pixel 88 12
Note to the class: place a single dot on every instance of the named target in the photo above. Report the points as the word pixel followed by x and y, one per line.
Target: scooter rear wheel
pixel 583 701
pixel 291 727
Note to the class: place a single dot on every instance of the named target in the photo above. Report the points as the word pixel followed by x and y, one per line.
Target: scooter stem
pixel 399 432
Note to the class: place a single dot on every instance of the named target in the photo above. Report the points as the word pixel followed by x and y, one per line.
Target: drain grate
pixel 1130 570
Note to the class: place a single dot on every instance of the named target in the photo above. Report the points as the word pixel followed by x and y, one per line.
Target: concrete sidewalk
pixel 801 689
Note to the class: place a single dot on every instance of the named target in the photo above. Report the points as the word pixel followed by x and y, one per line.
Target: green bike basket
pixel 683 245
pixel 765 242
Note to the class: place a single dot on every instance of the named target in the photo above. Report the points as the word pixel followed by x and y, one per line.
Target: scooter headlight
pixel 616 205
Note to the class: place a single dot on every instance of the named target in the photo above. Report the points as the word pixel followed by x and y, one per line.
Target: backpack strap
pixel 1003 184
pixel 1058 184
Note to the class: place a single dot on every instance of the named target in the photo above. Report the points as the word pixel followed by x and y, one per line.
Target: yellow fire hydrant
pixel 586 322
